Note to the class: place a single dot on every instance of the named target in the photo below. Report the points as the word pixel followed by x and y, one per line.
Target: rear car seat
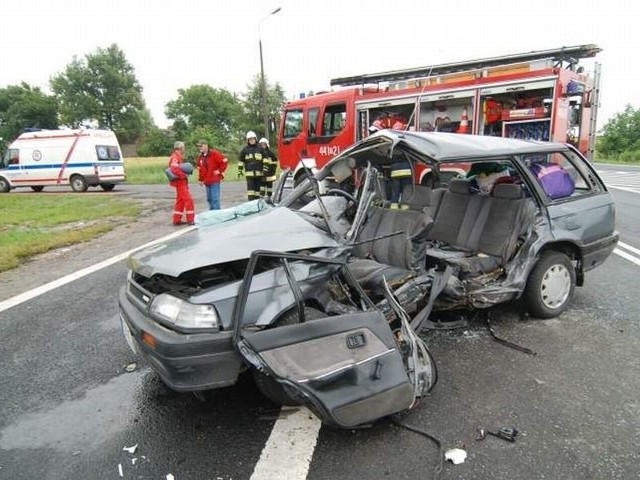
pixel 500 221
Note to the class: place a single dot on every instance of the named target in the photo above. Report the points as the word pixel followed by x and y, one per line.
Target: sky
pixel 174 45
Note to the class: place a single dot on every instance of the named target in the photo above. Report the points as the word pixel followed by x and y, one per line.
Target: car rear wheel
pixel 550 285
pixel 37 188
pixel 78 183
pixel 4 185
pixel 270 388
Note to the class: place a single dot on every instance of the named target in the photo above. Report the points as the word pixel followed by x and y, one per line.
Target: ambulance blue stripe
pixel 67 165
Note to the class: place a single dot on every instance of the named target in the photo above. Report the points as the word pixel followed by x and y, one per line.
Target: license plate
pixel 128 336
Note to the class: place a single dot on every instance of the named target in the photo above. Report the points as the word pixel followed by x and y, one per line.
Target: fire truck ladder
pixel 570 55
pixel 595 105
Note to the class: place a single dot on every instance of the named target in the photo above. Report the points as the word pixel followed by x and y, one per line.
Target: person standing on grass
pixel 211 166
pixel 184 200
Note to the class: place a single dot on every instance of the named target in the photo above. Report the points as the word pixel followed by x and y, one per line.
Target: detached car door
pixel 346 368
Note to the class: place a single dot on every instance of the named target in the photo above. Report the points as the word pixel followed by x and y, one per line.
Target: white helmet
pixel 264 140
pixel 251 134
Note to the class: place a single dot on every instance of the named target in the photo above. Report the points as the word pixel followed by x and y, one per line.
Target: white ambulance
pixel 79 158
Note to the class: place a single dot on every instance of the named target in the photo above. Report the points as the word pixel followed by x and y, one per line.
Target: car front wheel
pixel 550 285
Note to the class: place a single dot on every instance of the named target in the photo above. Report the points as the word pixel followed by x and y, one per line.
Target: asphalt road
pixel 68 405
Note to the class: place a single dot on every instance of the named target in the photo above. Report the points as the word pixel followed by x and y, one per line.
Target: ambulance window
pixel 103 152
pixel 334 120
pixel 313 121
pixel 114 153
pixel 12 157
pixel 292 123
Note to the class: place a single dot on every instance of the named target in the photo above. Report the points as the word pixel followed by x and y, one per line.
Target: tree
pixel 252 104
pixel 23 106
pixel 101 88
pixel 621 133
pixel 217 111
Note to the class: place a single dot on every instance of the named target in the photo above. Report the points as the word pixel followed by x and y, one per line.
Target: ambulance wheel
pixel 78 183
pixel 4 185
pixel 265 383
pixel 37 188
pixel 107 187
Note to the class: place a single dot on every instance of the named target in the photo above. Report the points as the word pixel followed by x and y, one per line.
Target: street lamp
pixel 263 86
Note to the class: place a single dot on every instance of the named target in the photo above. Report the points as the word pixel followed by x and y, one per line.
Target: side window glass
pixel 10 157
pixel 559 175
pixel 114 153
pixel 103 152
pixel 313 121
pixel 334 120
pixel 292 123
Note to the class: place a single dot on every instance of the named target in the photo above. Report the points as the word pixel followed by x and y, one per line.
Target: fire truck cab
pixel 542 95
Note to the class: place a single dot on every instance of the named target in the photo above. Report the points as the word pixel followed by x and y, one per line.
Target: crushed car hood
pixel 276 229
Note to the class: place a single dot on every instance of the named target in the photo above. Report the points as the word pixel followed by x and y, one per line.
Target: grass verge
pixel 150 170
pixel 36 224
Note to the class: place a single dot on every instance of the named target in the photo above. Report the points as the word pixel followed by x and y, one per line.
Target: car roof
pixel 448 147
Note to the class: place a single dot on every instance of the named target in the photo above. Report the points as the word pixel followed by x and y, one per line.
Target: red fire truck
pixel 540 95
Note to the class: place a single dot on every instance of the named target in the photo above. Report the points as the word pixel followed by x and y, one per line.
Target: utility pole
pixel 263 85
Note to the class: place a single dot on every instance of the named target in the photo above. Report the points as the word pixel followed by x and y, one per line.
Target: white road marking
pixel 629 247
pixel 627 256
pixel 288 452
pixel 26 296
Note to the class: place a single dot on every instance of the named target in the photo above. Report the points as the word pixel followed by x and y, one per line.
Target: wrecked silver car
pixel 323 294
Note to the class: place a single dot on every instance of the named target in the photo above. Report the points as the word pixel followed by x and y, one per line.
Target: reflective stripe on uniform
pixel 252 173
pixel 401 173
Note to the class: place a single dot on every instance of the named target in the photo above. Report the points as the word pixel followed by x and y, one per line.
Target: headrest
pixel 458 185
pixel 507 190
pixel 417 195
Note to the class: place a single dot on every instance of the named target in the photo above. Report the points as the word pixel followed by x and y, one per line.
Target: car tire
pixel 4 185
pixel 550 285
pixel 78 183
pixel 269 387
pixel 107 187
pixel 37 188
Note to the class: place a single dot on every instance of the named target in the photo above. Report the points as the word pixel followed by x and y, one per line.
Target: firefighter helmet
pixel 264 140
pixel 251 134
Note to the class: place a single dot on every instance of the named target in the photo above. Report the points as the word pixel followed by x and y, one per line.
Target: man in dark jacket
pixel 250 165
pixel 269 165
pixel 211 166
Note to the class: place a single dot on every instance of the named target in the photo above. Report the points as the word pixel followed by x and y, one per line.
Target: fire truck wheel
pixel 78 183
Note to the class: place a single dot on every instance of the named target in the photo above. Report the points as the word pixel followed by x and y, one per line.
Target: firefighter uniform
pixel 250 164
pixel 400 175
pixel 269 165
pixel 184 200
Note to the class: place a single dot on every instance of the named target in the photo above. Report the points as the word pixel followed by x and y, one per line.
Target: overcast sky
pixel 173 44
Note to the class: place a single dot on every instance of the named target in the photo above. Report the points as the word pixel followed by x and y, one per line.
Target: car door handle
pixel 348 375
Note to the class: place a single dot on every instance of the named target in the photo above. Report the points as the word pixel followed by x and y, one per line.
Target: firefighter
pixel 184 200
pixel 250 165
pixel 400 175
pixel 269 164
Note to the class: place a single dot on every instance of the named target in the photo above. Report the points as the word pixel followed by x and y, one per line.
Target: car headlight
pixel 184 314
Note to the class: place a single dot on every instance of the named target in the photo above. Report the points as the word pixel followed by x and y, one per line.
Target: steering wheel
pixel 337 191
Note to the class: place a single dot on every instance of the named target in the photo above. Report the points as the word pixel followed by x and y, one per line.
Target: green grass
pixel 150 170
pixel 35 224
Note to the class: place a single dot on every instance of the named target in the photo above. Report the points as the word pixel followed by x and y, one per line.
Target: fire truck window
pixel 313 121
pixel 292 123
pixel 334 119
